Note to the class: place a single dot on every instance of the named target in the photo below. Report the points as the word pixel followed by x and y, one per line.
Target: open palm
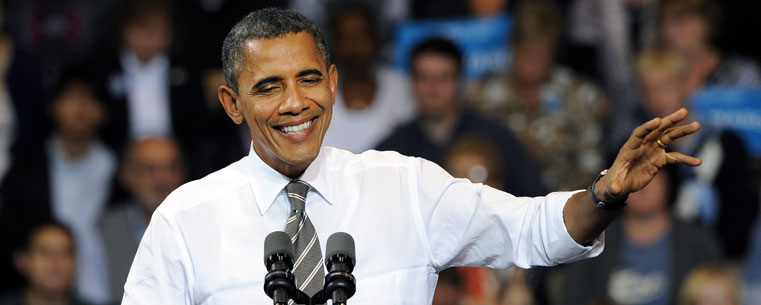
pixel 642 156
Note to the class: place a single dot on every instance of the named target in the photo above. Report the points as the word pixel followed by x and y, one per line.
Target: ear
pixel 333 78
pixel 229 100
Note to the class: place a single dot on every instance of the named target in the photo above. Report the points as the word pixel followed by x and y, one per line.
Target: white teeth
pixel 297 128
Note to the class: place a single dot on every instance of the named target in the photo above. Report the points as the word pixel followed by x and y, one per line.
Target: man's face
pixel 533 60
pixel 684 31
pixel 149 36
pixel 665 92
pixel 435 79
pixel 354 46
pixel 153 170
pixel 48 263
pixel 286 95
pixel 76 111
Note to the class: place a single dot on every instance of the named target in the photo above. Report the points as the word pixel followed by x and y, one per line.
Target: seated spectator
pixel 372 99
pixel 719 193
pixel 710 285
pixel 152 169
pixel 149 89
pixel 436 65
pixel 68 181
pixel 647 254
pixel 475 159
pixel 689 27
pixel 47 262
pixel 449 288
pixel 555 114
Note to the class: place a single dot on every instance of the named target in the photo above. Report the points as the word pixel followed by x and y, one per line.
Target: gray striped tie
pixel 308 264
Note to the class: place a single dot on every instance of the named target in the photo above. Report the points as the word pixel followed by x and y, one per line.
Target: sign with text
pixel 483 41
pixel 737 109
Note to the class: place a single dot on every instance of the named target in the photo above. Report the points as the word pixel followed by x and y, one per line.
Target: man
pixel 68 181
pixel 47 261
pixel 372 98
pixel 152 169
pixel 436 66
pixel 408 217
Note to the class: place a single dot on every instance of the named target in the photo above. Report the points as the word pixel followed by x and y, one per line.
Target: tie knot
pixel 297 194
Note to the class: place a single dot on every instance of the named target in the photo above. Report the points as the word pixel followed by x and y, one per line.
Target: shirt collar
pixel 267 183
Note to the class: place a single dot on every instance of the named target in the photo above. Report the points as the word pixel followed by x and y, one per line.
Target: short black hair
pixel 438 46
pixel 32 232
pixel 265 23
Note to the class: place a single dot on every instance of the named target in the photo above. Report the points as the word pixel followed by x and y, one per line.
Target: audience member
pixel 474 159
pixel 151 93
pixel 689 26
pixel 710 285
pixel 449 288
pixel 68 181
pixel 615 31
pixel 557 115
pixel 719 193
pixel 152 169
pixel 372 99
pixel 47 261
pixel 647 254
pixel 436 65
pixel 21 101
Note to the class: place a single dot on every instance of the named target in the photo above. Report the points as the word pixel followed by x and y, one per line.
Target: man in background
pixel 152 169
pixel 436 66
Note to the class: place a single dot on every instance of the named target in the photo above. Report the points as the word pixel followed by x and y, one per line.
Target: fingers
pixel 680 158
pixel 666 123
pixel 639 133
pixel 678 132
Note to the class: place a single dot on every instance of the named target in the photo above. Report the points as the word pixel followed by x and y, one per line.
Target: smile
pixel 297 131
pixel 297 128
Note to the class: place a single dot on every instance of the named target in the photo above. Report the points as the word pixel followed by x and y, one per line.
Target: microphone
pixel 340 284
pixel 278 258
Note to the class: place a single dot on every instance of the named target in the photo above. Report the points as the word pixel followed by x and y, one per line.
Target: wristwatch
pixel 608 206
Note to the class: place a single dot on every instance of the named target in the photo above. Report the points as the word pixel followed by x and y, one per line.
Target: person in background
pixel 720 194
pixel 149 88
pixel 556 115
pixel 47 262
pixel 450 288
pixel 474 159
pixel 436 66
pixel 68 181
pixel 648 252
pixel 152 169
pixel 710 285
pixel 689 26
pixel 615 32
pixel 372 98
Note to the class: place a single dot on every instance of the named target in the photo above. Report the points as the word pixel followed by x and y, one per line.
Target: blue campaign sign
pixel 483 41
pixel 737 109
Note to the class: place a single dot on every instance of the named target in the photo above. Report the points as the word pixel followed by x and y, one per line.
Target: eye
pixel 311 81
pixel 268 90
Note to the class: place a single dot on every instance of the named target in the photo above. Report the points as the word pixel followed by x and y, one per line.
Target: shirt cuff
pixel 564 248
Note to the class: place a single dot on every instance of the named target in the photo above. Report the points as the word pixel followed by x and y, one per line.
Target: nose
pixel 295 101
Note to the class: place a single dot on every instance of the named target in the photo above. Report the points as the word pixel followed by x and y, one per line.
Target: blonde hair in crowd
pixel 700 278
pixel 660 59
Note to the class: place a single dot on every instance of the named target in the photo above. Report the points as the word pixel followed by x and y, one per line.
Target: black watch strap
pixel 608 206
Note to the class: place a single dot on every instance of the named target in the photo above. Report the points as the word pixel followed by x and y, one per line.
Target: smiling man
pixel 409 218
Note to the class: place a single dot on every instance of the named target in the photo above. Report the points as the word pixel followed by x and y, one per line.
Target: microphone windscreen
pixel 277 242
pixel 340 243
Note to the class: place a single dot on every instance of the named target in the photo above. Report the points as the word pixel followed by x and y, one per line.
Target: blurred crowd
pixel 106 106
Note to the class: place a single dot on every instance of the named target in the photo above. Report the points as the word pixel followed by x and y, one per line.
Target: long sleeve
pixel 161 272
pixel 466 224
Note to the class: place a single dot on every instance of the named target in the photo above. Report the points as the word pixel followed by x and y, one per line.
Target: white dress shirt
pixel 409 219
pixel 360 130
pixel 147 86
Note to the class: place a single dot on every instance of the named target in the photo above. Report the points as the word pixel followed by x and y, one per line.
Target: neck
pixel 74 146
pixel 38 297
pixel 646 228
pixel 439 128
